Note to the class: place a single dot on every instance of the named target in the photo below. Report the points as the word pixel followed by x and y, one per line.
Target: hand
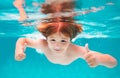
pixel 90 57
pixel 19 56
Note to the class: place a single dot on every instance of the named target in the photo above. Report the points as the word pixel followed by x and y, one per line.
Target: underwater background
pixel 101 32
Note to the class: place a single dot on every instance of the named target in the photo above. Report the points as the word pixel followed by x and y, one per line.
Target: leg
pixel 19 5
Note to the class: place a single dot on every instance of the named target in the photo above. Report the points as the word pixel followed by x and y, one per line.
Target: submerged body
pixel 58 48
pixel 63 53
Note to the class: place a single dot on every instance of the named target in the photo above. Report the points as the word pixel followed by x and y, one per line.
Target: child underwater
pixel 58 47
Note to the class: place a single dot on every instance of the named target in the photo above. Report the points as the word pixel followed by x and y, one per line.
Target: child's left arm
pixel 95 58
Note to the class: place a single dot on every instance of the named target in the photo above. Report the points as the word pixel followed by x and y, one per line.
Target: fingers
pixel 88 55
pixel 20 56
pixel 91 59
pixel 92 65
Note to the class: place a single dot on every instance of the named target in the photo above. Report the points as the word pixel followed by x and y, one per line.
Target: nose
pixel 57 46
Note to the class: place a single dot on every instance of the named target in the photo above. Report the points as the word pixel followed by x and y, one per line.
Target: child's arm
pixel 22 43
pixel 95 58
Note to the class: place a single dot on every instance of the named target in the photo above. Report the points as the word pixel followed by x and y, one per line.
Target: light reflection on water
pixel 104 23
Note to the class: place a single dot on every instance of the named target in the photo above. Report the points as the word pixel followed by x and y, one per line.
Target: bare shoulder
pixel 77 50
pixel 33 43
pixel 43 42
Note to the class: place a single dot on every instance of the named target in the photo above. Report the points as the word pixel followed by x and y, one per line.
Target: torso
pixel 63 59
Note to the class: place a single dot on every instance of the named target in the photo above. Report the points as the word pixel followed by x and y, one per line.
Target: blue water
pixel 101 32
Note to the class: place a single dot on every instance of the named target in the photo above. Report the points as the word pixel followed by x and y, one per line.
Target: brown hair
pixel 58 19
pixel 69 29
pixel 57 7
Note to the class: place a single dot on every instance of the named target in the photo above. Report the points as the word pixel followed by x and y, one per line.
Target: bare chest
pixel 61 59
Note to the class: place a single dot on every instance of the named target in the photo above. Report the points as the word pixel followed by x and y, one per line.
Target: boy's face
pixel 58 42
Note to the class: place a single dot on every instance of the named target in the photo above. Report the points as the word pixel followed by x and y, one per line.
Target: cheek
pixel 50 45
pixel 65 46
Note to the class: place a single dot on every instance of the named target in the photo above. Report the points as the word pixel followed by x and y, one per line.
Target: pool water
pixel 101 32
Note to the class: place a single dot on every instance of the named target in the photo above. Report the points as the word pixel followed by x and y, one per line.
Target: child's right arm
pixel 22 43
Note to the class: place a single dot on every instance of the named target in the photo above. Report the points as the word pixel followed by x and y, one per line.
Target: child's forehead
pixel 58 34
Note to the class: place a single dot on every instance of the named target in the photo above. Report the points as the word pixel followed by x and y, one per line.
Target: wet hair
pixel 69 29
pixel 57 7
pixel 58 19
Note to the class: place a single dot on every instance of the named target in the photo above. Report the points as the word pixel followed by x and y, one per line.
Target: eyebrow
pixel 54 37
pixel 64 38
pixel 51 37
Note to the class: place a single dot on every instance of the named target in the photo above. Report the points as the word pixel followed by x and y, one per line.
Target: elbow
pixel 113 63
pixel 22 40
pixel 110 61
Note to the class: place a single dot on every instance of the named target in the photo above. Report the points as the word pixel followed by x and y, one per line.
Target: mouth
pixel 57 50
